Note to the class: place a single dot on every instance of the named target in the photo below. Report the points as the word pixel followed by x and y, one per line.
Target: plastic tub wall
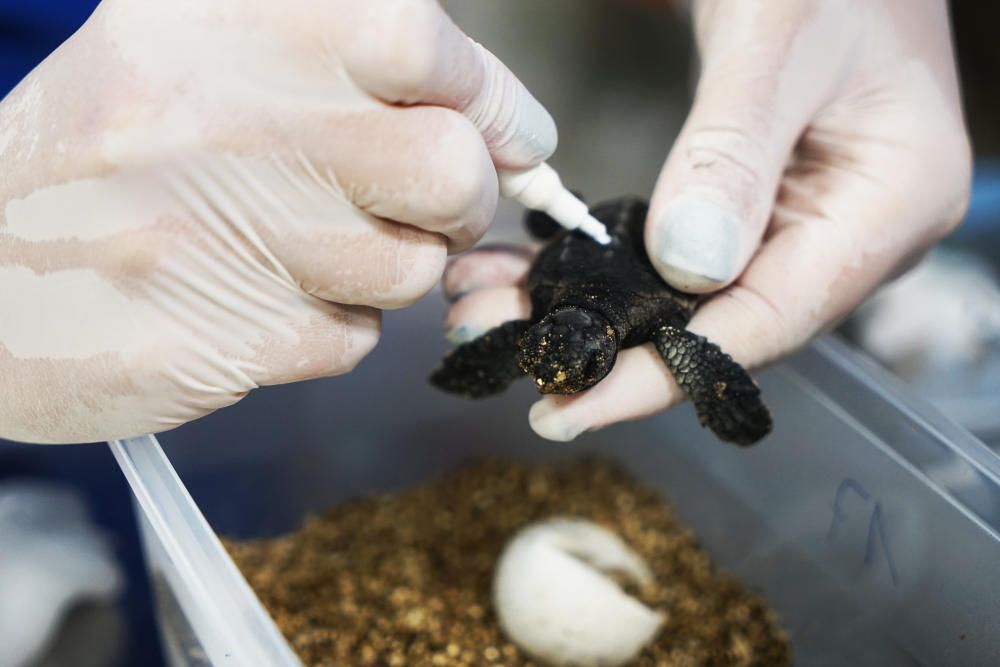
pixel 866 519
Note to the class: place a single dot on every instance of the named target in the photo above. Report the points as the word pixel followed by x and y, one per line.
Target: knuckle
pixel 365 329
pixel 330 340
pixel 771 330
pixel 956 161
pixel 389 267
pixel 393 50
pixel 413 265
pixel 953 216
pixel 463 182
pixel 962 185
pixel 727 152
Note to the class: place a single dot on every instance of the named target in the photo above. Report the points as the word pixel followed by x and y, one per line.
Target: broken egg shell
pixel 555 600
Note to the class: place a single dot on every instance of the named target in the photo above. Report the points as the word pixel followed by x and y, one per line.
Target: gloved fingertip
pixel 696 245
pixel 462 333
pixel 537 136
pixel 550 419
pixel 518 130
pixel 483 267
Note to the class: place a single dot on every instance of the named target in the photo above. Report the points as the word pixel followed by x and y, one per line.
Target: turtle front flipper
pixel 724 395
pixel 484 366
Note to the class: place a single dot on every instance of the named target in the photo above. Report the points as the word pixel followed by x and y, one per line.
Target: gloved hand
pixel 197 199
pixel 825 152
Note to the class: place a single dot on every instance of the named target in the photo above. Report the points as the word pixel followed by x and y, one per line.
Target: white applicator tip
pixel 540 189
pixel 596 230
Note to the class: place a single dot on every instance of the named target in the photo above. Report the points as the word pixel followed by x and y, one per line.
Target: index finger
pixel 411 52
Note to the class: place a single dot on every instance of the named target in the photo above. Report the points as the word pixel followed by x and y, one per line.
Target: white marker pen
pixel 540 189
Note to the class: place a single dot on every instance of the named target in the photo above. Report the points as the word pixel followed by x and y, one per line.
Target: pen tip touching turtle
pixel 588 301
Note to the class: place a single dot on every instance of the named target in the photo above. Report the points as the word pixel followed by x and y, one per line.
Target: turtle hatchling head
pixel 568 351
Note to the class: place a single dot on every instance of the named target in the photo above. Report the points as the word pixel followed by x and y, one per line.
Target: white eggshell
pixel 554 600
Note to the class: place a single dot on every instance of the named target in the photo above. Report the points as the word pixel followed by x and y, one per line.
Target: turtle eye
pixel 601 359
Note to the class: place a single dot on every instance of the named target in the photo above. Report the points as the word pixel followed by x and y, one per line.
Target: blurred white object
pixel 556 602
pixel 51 557
pixel 938 327
pixel 944 311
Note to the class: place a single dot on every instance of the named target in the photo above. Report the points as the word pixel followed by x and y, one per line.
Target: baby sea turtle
pixel 589 301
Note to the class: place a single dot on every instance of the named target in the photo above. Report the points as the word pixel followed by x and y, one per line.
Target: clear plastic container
pixel 870 522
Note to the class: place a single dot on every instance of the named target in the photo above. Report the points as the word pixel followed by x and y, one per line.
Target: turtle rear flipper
pixel 484 366
pixel 724 395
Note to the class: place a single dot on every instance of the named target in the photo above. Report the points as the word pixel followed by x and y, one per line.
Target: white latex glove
pixel 199 198
pixel 824 152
